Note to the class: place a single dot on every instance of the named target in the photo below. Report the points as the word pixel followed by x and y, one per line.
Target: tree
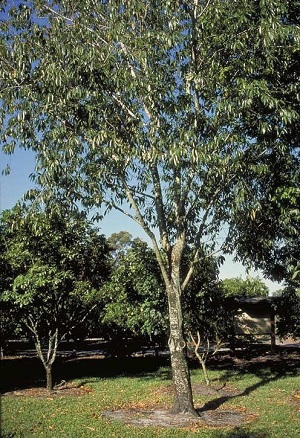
pixel 203 301
pixel 120 243
pixel 133 302
pixel 208 318
pixel 169 112
pixel 287 310
pixel 57 262
pixel 248 288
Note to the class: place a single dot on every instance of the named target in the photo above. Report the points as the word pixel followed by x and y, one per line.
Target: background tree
pixel 57 263
pixel 133 301
pixel 9 327
pixel 120 243
pixel 267 219
pixel 287 309
pixel 203 301
pixel 244 288
pixel 208 317
pixel 134 305
pixel 173 113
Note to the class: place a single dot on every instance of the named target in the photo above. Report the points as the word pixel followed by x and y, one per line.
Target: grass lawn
pixel 267 391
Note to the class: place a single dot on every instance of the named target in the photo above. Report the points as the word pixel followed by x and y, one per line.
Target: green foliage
pixel 56 264
pixel 10 327
pixel 120 243
pixel 133 300
pixel 248 288
pixel 9 317
pixel 204 305
pixel 270 237
pixel 287 309
pixel 196 101
pixel 208 313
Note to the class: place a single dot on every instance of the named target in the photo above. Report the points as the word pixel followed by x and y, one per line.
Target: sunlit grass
pixel 265 395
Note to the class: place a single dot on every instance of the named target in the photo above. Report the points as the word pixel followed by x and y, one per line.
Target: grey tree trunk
pixel 49 378
pixel 183 401
pixel 170 266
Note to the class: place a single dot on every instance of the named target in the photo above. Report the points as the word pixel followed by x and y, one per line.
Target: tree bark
pixel 49 378
pixel 183 401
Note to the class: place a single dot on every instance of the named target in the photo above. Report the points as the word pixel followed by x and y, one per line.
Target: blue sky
pixel 13 186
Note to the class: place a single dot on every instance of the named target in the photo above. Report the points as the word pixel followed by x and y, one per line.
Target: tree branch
pixel 140 220
pixel 197 243
pixel 80 322
pixel 159 205
pixel 125 107
pixel 72 21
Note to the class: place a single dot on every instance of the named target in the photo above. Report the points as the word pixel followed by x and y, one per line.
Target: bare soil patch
pixel 159 417
pixel 165 418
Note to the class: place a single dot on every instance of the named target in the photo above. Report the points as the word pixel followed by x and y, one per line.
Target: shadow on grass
pixel 267 367
pixel 10 435
pixel 217 402
pixel 21 373
pixel 26 372
pixel 240 432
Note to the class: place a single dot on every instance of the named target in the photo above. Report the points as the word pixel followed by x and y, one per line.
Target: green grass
pixel 267 394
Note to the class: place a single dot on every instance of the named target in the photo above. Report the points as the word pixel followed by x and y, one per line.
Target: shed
pixel 255 316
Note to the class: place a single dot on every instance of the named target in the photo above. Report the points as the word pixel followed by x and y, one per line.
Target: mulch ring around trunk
pixel 64 389
pixel 165 418
pixel 215 416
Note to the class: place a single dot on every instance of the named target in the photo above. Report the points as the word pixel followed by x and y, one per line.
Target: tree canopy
pixel 269 239
pixel 181 114
pixel 120 243
pixel 149 102
pixel 248 288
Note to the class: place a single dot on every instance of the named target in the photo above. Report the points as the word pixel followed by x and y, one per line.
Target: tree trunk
pixel 205 372
pixel 183 402
pixel 49 378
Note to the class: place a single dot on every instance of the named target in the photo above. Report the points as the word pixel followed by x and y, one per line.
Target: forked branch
pixel 203 355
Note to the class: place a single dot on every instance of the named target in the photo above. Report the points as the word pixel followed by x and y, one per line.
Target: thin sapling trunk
pixel 47 358
pixel 202 357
